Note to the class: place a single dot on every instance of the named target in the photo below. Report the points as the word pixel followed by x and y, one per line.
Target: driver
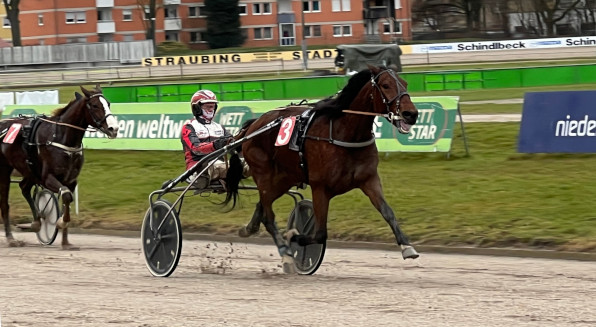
pixel 202 136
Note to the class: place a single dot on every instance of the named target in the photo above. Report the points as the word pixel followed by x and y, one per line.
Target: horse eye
pixel 385 86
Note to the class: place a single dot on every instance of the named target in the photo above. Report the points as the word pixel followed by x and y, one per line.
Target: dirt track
pixel 218 284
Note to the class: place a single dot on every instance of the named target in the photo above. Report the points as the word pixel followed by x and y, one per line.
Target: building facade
pixel 264 23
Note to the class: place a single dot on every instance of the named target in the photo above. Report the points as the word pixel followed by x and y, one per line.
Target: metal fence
pixel 114 52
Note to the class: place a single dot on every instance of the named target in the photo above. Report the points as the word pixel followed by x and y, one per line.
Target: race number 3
pixel 285 131
pixel 12 133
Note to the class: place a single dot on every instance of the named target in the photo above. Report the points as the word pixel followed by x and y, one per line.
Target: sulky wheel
pixel 306 258
pixel 48 211
pixel 161 235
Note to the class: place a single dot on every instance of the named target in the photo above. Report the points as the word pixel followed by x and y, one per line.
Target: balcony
pixel 171 2
pixel 106 27
pixel 104 3
pixel 172 24
pixel 285 18
pixel 376 12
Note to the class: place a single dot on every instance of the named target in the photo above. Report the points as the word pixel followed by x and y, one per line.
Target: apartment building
pixel 264 23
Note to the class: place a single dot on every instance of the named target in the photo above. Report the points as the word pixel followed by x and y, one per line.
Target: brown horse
pixel 338 154
pixel 48 151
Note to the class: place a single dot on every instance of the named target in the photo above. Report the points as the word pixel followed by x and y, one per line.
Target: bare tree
pixel 433 12
pixel 553 11
pixel 148 10
pixel 12 13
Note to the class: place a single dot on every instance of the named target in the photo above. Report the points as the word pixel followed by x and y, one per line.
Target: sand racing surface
pixel 106 283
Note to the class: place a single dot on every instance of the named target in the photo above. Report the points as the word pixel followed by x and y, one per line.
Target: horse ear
pixel 78 95
pixel 373 69
pixel 98 88
pixel 85 91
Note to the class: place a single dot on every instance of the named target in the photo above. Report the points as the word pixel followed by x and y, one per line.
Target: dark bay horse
pixel 338 154
pixel 48 151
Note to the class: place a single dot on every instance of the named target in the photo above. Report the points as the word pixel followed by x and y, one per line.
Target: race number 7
pixel 12 133
pixel 285 131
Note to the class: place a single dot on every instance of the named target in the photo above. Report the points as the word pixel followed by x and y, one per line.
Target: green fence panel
pixel 213 87
pixel 434 82
pixel 185 91
pixel 147 93
pixel 540 76
pixel 473 80
pixel 309 88
pixel 415 81
pixel 253 91
pixel 124 94
pixel 273 90
pixel 454 81
pixel 585 74
pixel 231 91
pixel 500 78
pixel 168 93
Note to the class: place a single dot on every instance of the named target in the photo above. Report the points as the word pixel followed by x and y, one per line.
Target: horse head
pixel 98 112
pixel 394 101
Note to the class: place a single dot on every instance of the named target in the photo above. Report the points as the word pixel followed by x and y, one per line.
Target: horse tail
pixel 235 168
pixel 233 177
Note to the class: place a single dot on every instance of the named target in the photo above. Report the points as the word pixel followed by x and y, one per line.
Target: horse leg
pixel 283 248
pixel 26 186
pixel 321 209
pixel 255 222
pixel 66 195
pixel 372 188
pixel 4 207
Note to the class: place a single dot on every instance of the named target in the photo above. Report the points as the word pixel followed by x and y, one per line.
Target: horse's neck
pixel 74 116
pixel 358 127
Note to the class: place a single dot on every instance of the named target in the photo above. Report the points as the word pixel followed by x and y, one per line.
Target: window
pixel 197 37
pixel 106 37
pixel 397 4
pixel 6 23
pixel 75 17
pixel 171 36
pixel 342 30
pixel 261 8
pixel 194 11
pixel 312 31
pixel 340 5
pixel 263 33
pixel 311 6
pixel 104 15
pixel 243 9
pixel 171 12
pixel 127 15
pixel 128 38
pixel 388 30
pixel 76 40
pixel 40 19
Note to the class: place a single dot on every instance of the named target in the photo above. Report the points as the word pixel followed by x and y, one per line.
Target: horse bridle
pixel 97 122
pixel 391 116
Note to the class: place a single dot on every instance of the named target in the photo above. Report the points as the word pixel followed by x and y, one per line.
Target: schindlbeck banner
pixel 157 126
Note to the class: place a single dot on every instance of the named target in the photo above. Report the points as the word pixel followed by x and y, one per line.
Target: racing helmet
pixel 200 97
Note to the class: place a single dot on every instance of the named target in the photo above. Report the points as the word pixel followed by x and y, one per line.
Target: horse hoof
pixel 244 232
pixel 16 243
pixel 288 265
pixel 70 247
pixel 36 226
pixel 409 252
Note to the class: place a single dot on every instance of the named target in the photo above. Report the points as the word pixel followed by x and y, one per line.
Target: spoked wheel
pixel 161 234
pixel 306 258
pixel 48 211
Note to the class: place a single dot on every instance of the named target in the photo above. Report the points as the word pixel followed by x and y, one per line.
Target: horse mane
pixel 59 111
pixel 344 98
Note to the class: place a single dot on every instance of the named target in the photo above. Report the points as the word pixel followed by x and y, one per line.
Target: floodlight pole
pixel 304 54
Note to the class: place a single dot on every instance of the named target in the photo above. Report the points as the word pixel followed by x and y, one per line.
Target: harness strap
pixel 67 149
pixel 342 143
pixel 63 124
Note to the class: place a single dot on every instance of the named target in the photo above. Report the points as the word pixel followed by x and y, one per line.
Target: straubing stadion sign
pixel 558 122
pixel 157 126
